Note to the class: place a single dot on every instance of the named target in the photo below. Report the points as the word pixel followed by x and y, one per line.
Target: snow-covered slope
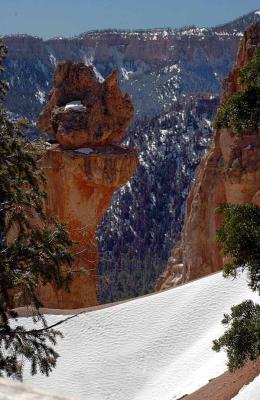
pixel 16 391
pixel 250 392
pixel 156 347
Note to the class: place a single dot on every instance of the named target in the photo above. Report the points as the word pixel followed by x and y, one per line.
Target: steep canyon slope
pixel 173 78
pixel 150 348
pixel 229 173
pixel 146 214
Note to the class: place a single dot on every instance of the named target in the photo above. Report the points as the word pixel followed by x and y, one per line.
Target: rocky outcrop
pixel 81 180
pixel 229 173
pixel 83 111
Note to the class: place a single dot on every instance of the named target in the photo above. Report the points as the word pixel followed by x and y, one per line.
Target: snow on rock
pixel 257 12
pixel 155 347
pixel 249 392
pixel 207 121
pixel 53 59
pixel 84 150
pixel 126 73
pixel 89 60
pixel 99 77
pixel 75 105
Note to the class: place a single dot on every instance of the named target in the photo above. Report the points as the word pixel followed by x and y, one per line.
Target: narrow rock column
pixel 87 119
pixel 80 188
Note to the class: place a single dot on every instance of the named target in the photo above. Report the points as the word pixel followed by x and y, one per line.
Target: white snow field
pixel 10 390
pixel 153 348
pixel 250 392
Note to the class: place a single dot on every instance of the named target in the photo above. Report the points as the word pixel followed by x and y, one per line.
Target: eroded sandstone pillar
pixel 84 168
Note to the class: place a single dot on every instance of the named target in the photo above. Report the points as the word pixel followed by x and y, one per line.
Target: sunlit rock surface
pixel 229 173
pixel 81 180
pixel 102 117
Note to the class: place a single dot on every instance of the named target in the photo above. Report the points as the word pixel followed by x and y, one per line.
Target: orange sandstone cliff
pixel 229 173
pixel 86 119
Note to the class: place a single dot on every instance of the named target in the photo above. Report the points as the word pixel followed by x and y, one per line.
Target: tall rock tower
pixel 84 166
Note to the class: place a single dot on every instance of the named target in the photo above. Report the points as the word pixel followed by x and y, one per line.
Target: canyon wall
pixel 167 73
pixel 229 173
pixel 83 168
pixel 163 63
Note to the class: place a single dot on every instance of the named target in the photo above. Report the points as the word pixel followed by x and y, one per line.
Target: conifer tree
pixel 34 250
pixel 241 111
pixel 240 237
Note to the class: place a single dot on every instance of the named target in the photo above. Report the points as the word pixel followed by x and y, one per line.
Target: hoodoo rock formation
pixel 81 180
pixel 83 111
pixel 229 173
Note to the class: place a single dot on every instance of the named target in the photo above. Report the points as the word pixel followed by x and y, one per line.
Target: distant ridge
pixel 241 23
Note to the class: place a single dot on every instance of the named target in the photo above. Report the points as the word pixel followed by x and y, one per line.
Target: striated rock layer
pixel 82 180
pixel 229 173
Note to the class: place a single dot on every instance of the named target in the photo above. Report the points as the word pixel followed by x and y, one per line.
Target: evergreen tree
pixel 241 111
pixel 240 237
pixel 34 250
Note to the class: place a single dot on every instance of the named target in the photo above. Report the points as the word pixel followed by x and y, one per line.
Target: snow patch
pixel 194 32
pixel 249 392
pixel 75 105
pixel 40 96
pixel 10 390
pixel 257 12
pixel 98 74
pixel 171 68
pixel 89 61
pixel 164 34
pixel 126 74
pixel 84 150
pixel 53 59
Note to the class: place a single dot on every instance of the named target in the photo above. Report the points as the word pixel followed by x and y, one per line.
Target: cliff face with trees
pixel 229 173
